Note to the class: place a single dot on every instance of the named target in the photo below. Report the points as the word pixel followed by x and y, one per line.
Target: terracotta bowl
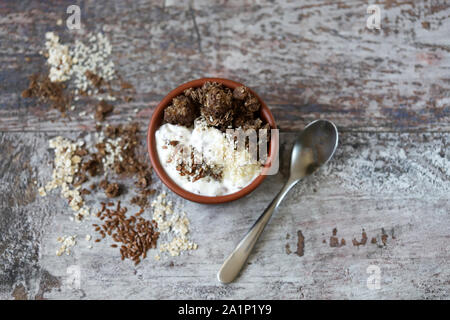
pixel 157 120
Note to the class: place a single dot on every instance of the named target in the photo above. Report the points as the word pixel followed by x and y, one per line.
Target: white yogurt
pixel 211 144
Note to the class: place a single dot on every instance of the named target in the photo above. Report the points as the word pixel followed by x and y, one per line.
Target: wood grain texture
pixel 387 90
pixel 307 59
pixel 396 182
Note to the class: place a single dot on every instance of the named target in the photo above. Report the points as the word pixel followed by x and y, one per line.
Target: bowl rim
pixel 156 120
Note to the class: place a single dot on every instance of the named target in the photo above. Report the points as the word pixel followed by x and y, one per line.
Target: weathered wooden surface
pixel 396 182
pixel 305 58
pixel 388 92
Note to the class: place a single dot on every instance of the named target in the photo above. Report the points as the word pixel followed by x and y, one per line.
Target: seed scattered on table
pixel 136 234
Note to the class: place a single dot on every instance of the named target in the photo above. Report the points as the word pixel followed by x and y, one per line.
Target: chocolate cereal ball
pixel 182 111
pixel 218 106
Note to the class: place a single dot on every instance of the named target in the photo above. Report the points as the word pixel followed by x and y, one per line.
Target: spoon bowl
pixel 314 147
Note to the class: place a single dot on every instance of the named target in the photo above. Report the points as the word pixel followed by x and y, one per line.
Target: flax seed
pixel 136 234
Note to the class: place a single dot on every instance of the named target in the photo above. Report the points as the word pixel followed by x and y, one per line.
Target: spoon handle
pixel 235 261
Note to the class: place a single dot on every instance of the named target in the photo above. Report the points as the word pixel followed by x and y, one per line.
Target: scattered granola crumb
pixel 93 54
pixel 300 244
pixel 67 164
pixel 384 237
pixel 42 192
pixel 84 192
pixel 59 58
pixel 172 223
pixel 66 243
pixel 141 200
pixel 126 85
pixel 363 239
pixel 288 249
pixel 103 109
pixel 43 89
pixel 334 241
pixel 112 190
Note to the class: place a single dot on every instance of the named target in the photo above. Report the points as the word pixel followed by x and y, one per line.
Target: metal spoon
pixel 314 146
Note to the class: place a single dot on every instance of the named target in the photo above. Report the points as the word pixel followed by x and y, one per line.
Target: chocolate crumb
pixel 84 191
pixel 112 190
pixel 126 85
pixel 300 244
pixel 334 242
pixel 140 200
pixel 374 240
pixel 96 80
pixel 384 237
pixel 103 184
pixel 182 111
pixel 41 88
pixel 288 250
pixel 103 109
pixel 80 178
pixel 364 238
pixel 91 166
pixel 142 182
